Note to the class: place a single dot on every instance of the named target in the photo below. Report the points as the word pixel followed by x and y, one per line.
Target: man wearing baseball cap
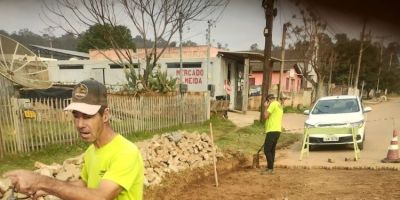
pixel 113 166
pixel 273 127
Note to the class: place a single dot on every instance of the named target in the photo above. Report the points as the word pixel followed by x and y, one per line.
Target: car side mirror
pixel 367 109
pixel 306 112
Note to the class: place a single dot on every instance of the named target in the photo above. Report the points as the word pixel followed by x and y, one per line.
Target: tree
pixel 254 47
pixel 27 37
pixel 96 38
pixel 154 20
pixel 189 43
pixel 391 68
pixel 67 41
pixel 315 45
pixel 346 51
pixel 220 46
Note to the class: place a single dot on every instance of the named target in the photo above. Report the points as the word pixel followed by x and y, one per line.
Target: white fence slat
pixel 52 125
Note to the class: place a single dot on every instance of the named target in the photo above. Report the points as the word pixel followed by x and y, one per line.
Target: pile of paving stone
pixel 162 154
pixel 174 152
pixel 68 171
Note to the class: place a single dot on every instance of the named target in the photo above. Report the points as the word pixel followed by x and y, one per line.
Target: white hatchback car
pixel 337 111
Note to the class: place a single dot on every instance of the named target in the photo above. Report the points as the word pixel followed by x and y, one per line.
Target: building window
pixel 184 65
pixel 252 81
pixel 117 66
pixel 70 66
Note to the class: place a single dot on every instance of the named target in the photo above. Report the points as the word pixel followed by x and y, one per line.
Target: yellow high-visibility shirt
pixel 274 121
pixel 118 161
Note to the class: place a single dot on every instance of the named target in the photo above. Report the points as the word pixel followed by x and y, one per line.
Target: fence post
pixel 1 145
pixel 15 111
pixel 207 105
pixel 181 117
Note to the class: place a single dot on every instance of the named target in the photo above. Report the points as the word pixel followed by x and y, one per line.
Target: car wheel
pixel 311 148
pixel 361 145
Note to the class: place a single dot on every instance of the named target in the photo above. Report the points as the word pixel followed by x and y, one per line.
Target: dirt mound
pixel 237 180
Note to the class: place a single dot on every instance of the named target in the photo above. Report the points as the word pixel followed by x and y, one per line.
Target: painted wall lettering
pixel 191 76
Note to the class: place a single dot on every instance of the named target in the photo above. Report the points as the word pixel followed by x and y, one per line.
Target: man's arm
pixel 266 113
pixel 29 183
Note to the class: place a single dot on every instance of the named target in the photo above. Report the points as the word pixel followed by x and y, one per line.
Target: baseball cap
pixel 270 96
pixel 88 96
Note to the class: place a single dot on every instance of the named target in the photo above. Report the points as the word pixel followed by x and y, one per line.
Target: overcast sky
pixel 240 25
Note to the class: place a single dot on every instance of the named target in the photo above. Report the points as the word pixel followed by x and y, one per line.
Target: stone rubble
pixel 174 152
pixel 162 154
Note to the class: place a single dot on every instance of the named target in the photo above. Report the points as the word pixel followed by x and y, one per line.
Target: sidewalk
pixel 292 122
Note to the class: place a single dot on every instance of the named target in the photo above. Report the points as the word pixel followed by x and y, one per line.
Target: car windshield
pixel 336 106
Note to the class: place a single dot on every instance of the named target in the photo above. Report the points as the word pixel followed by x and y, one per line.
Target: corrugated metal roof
pixel 67 52
pixel 276 67
pixel 246 54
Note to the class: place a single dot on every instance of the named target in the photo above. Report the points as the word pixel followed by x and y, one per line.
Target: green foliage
pixel 134 80
pixel 26 37
pixel 189 43
pixel 105 36
pixel 249 139
pixel 290 109
pixel 48 155
pixel 160 82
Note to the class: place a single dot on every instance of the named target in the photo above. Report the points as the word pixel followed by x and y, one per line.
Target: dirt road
pixel 379 127
pixel 294 184
pixel 379 131
pixel 312 178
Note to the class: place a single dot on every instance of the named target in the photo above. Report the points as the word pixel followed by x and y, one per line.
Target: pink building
pixel 291 77
pixel 172 52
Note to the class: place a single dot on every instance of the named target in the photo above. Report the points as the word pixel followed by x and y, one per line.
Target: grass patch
pixel 249 139
pixel 58 153
pixel 48 155
pixel 290 109
pixel 227 136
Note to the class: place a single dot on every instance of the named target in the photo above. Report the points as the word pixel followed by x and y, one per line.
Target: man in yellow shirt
pixel 113 166
pixel 273 127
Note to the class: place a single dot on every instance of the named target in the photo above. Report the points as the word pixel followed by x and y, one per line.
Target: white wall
pixel 195 78
pixel 91 69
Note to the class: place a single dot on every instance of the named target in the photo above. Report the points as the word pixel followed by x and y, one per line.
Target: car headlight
pixel 357 124
pixel 307 125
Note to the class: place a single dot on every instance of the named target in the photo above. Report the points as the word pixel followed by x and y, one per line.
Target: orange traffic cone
pixel 393 150
pixel 396 133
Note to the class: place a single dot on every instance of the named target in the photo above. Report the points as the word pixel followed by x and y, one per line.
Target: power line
pixel 219 17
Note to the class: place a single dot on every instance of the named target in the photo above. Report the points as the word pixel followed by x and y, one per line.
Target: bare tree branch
pixel 155 20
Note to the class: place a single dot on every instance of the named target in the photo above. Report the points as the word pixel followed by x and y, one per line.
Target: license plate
pixel 331 139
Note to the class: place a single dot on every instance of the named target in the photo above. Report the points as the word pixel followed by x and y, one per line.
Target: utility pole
pixel 349 81
pixel 49 32
pixel 268 6
pixel 331 61
pixel 208 36
pixel 180 50
pixel 285 26
pixel 182 88
pixel 380 60
pixel 380 66
pixel 360 56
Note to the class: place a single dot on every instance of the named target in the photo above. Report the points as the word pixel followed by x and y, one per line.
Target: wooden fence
pixel 28 125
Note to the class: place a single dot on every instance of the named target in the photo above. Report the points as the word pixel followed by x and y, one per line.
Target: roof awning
pixel 245 54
